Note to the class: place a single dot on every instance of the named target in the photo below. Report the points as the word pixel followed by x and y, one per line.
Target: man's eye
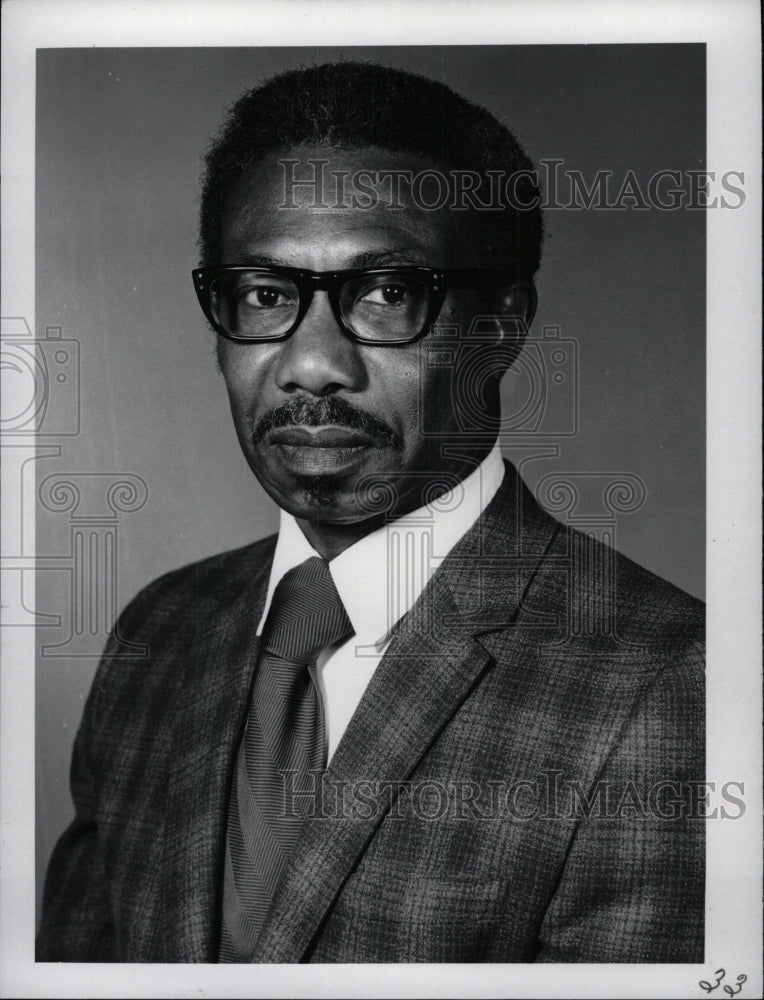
pixel 265 297
pixel 386 295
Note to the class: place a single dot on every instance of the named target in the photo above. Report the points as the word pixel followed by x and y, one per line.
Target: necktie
pixel 285 732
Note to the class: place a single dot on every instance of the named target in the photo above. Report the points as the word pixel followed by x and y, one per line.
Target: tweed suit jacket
pixel 497 783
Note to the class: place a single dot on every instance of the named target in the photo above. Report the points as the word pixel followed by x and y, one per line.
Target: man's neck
pixel 329 540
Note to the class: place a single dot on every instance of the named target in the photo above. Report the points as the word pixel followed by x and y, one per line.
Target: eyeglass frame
pixel 439 281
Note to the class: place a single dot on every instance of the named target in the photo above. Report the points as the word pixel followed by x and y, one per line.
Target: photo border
pixel 729 28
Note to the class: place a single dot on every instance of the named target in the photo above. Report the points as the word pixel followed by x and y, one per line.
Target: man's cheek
pixel 438 400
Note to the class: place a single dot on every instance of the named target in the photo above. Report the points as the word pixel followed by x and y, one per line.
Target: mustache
pixel 334 410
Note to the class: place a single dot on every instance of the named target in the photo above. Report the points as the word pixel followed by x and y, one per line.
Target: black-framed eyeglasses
pixel 383 305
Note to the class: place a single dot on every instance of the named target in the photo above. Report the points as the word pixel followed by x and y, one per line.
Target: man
pixel 426 722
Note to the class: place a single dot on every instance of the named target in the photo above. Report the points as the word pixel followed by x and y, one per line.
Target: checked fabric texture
pixel 285 732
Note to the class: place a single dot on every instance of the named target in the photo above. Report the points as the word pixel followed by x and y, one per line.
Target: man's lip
pixel 320 437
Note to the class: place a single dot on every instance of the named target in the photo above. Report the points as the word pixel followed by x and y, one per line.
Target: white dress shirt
pixel 379 579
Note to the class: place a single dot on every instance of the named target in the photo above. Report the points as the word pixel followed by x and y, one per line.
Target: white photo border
pixel 730 31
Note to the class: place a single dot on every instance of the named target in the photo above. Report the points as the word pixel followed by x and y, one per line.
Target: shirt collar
pixel 380 577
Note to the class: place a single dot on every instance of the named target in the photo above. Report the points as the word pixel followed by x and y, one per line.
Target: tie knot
pixel 306 614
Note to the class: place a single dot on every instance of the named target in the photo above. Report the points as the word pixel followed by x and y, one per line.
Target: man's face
pixel 317 412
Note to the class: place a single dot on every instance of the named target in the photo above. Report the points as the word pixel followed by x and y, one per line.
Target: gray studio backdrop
pixel 138 469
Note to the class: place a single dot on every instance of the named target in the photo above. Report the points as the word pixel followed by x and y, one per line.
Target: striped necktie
pixel 285 732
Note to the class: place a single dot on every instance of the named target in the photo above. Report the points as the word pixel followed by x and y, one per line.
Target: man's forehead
pixel 319 175
pixel 359 197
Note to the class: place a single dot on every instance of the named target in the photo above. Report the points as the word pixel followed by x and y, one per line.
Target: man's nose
pixel 318 358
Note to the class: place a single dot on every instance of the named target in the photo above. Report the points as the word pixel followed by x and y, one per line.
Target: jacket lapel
pixel 208 725
pixel 430 666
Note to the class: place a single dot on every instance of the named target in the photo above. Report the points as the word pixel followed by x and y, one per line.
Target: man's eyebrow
pixel 380 257
pixel 257 260
pixel 385 257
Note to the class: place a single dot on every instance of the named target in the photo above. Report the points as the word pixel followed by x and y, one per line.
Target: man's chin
pixel 320 493
pixel 318 498
pixel 333 501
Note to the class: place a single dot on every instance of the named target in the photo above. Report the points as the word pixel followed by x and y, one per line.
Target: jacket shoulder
pixel 610 589
pixel 161 628
pixel 646 607
pixel 204 585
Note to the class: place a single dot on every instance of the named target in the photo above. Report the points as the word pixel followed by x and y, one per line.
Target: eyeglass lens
pixel 254 304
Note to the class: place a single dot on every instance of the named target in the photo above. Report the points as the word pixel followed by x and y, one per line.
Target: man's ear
pixel 517 307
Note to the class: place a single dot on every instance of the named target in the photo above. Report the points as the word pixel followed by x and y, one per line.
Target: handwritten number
pixel 729 990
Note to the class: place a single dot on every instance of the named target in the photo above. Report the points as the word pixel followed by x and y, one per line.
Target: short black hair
pixel 357 105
